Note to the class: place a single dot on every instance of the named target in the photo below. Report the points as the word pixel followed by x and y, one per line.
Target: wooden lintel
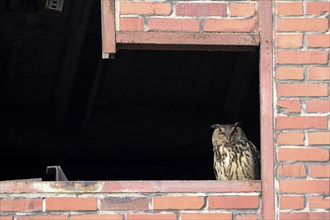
pixel 186 47
pixel 161 38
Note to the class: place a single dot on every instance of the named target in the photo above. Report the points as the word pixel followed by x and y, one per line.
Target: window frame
pixel 111 40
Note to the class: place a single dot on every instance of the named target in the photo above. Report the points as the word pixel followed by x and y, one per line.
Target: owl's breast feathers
pixel 238 160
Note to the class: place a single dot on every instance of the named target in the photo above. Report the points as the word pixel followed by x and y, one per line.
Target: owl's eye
pixel 222 134
pixel 235 132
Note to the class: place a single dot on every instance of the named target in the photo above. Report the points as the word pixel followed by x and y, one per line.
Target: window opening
pixel 152 118
pixel 156 108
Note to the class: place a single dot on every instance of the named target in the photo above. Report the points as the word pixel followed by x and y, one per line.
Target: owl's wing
pixel 215 172
pixel 216 158
pixel 216 150
pixel 256 158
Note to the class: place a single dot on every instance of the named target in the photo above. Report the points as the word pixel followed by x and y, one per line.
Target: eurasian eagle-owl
pixel 235 157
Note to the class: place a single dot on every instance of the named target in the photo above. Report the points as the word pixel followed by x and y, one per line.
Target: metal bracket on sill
pixel 57 170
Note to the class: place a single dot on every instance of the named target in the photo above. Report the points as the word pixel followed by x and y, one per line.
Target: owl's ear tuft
pixel 215 126
pixel 238 124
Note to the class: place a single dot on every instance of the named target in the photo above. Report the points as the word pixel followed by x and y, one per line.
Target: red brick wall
pixel 301 117
pixel 302 73
pixel 143 200
pixel 187 16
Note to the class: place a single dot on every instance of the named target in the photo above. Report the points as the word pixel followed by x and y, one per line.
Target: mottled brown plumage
pixel 235 157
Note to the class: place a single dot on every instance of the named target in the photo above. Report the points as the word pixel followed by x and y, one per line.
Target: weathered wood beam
pixel 186 41
pixel 160 38
pixel 266 108
pixel 108 28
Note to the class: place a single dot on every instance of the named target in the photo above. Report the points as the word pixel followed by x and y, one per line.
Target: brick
pixel 304 186
pixel 302 122
pixel 43 217
pixel 145 8
pixel 292 202
pixel 318 105
pixel 289 40
pixel 303 215
pixel 319 138
pixel 302 89
pixel 302 154
pixel 319 202
pixel 247 217
pixel 97 217
pixel 302 24
pixel 318 40
pixel 290 138
pixel 319 170
pixel 242 9
pixel 131 24
pixel 229 25
pixel 206 216
pixel 169 24
pixel 6 217
pixel 302 57
pixel 12 205
pixel 319 73
pixel 151 216
pixel 295 73
pixel 178 202
pixel 71 204
pixel 316 8
pixel 233 202
pixel 288 105
pixel 292 170
pixel 289 8
pixel 201 9
pixel 125 203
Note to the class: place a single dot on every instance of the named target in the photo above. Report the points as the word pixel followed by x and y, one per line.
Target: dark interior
pixel 144 115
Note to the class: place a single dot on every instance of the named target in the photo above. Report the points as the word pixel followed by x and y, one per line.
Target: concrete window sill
pixel 9 187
